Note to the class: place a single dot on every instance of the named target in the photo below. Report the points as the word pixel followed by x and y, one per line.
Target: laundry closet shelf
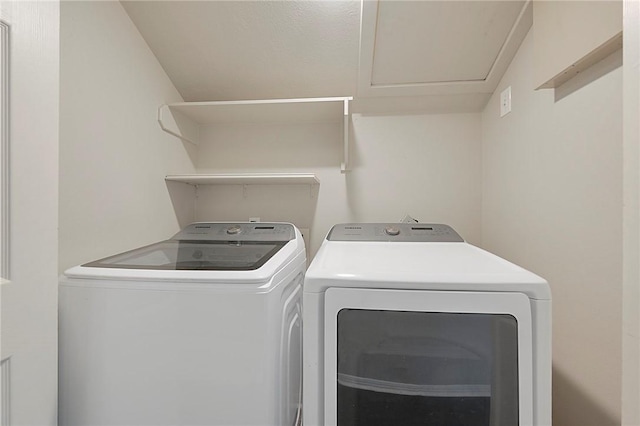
pixel 184 119
pixel 247 179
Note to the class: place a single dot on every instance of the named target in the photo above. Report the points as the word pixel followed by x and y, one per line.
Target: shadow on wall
pixel 183 200
pixel 573 407
pixel 191 150
pixel 295 203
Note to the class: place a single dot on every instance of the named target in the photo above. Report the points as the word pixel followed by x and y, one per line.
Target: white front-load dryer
pixel 200 329
pixel 407 324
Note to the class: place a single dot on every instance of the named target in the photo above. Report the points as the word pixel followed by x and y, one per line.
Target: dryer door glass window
pixel 426 368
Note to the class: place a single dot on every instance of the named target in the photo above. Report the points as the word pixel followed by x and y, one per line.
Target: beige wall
pixel 113 155
pixel 29 302
pixel 552 202
pixel 427 166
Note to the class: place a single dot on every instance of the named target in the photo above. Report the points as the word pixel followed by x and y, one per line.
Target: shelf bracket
pixel 178 125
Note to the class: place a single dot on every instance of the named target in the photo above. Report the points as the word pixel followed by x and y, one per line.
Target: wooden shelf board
pixel 583 64
pixel 246 179
pixel 302 110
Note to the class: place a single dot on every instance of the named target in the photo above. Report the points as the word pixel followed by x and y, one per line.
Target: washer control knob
pixel 391 231
pixel 234 230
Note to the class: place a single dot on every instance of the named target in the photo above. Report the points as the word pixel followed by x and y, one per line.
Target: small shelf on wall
pixel 572 36
pixel 246 179
pixel 580 66
pixel 184 119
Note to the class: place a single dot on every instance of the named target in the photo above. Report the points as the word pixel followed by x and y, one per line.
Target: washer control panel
pixel 249 231
pixel 403 232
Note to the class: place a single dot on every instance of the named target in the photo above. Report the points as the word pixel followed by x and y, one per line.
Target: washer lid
pixel 207 247
pixel 180 255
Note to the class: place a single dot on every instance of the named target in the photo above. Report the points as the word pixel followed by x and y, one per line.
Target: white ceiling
pixel 234 50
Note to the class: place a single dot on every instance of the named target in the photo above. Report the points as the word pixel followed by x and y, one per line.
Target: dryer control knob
pixel 391 231
pixel 233 230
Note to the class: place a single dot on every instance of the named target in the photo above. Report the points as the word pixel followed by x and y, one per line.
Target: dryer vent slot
pixel 264 227
pixel 421 228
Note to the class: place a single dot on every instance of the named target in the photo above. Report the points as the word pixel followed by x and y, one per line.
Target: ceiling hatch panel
pixel 417 48
pixel 438 41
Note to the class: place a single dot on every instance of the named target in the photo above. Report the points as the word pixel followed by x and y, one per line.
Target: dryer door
pixel 427 358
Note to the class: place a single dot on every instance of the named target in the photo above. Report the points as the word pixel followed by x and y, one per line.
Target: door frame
pixel 4 207
pixel 4 151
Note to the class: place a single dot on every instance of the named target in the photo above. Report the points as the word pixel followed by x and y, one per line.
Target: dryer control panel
pixel 402 232
pixel 245 231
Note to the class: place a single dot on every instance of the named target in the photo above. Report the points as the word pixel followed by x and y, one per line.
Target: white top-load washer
pixel 408 324
pixel 201 329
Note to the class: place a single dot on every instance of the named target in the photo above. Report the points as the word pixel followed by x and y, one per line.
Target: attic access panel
pixel 438 47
